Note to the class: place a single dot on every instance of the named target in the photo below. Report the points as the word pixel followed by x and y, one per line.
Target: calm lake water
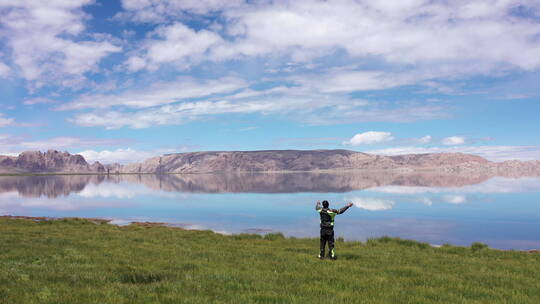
pixel 501 212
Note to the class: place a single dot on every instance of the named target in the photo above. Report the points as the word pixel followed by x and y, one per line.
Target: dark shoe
pixel 321 257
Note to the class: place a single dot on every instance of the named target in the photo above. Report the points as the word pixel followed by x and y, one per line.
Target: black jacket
pixel 327 215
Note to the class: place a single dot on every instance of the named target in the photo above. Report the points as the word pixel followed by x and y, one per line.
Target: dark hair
pixel 325 204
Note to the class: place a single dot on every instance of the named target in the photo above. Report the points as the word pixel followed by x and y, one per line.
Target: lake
pixel 435 208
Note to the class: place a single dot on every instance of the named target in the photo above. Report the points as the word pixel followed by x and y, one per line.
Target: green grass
pixel 78 261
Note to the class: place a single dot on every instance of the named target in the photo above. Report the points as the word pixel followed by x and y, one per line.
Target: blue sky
pixel 126 80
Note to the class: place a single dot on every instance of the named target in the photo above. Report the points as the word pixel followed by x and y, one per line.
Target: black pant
pixel 327 235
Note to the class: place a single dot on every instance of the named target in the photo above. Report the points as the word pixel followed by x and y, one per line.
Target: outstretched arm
pixel 340 211
pixel 318 206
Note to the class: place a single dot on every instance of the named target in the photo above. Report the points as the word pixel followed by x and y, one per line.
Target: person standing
pixel 327 226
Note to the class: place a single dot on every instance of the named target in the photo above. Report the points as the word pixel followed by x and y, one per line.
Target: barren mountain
pixel 325 160
pixel 271 161
pixel 51 161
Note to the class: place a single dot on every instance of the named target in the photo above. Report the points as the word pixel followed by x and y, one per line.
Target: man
pixel 327 226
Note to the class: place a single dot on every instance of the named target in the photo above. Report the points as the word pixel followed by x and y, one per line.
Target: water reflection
pixel 63 185
pixel 50 186
pixel 435 208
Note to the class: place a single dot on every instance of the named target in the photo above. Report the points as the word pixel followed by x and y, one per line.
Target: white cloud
pixel 424 140
pixel 437 39
pixel 135 63
pixel 13 145
pixel 368 138
pixel 161 10
pixel 170 115
pixel 250 128
pixel 4 70
pixel 62 142
pixel 37 100
pixel 453 140
pixel 371 203
pixel 408 42
pixel 312 113
pixel 296 103
pixel 410 32
pixel 6 121
pixel 159 94
pixel 349 80
pixel 122 156
pixel 493 153
pixel 47 42
pixel 176 44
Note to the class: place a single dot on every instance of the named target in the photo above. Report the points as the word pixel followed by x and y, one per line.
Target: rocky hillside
pixel 51 161
pixel 248 161
pixel 269 161
pixel 322 160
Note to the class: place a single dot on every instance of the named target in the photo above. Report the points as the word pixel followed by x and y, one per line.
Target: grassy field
pixel 78 261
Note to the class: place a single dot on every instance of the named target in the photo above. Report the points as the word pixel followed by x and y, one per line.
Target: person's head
pixel 325 204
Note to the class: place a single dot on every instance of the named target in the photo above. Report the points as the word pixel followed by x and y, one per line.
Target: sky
pixel 121 81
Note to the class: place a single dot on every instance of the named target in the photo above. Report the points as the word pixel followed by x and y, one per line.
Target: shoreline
pixel 171 226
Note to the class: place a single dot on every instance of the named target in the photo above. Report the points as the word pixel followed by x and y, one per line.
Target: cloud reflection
pixel 25 206
pixel 493 185
pixel 371 203
pixel 455 199
pixel 130 186
pixel 121 190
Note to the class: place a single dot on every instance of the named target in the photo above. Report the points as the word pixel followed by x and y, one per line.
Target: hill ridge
pixel 54 161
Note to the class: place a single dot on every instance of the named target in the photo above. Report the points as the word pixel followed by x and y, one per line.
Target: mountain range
pixel 51 161
pixel 54 161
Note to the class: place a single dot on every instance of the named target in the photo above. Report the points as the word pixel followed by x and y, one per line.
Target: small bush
pixel 372 242
pixel 380 240
pixel 247 236
pixel 459 250
pixel 476 246
pixel 274 236
pixel 411 243
pixel 384 239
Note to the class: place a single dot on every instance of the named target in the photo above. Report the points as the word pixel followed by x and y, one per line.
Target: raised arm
pixel 340 211
pixel 318 206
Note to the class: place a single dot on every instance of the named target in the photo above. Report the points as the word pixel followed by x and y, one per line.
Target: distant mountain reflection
pixel 50 186
pixel 63 185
